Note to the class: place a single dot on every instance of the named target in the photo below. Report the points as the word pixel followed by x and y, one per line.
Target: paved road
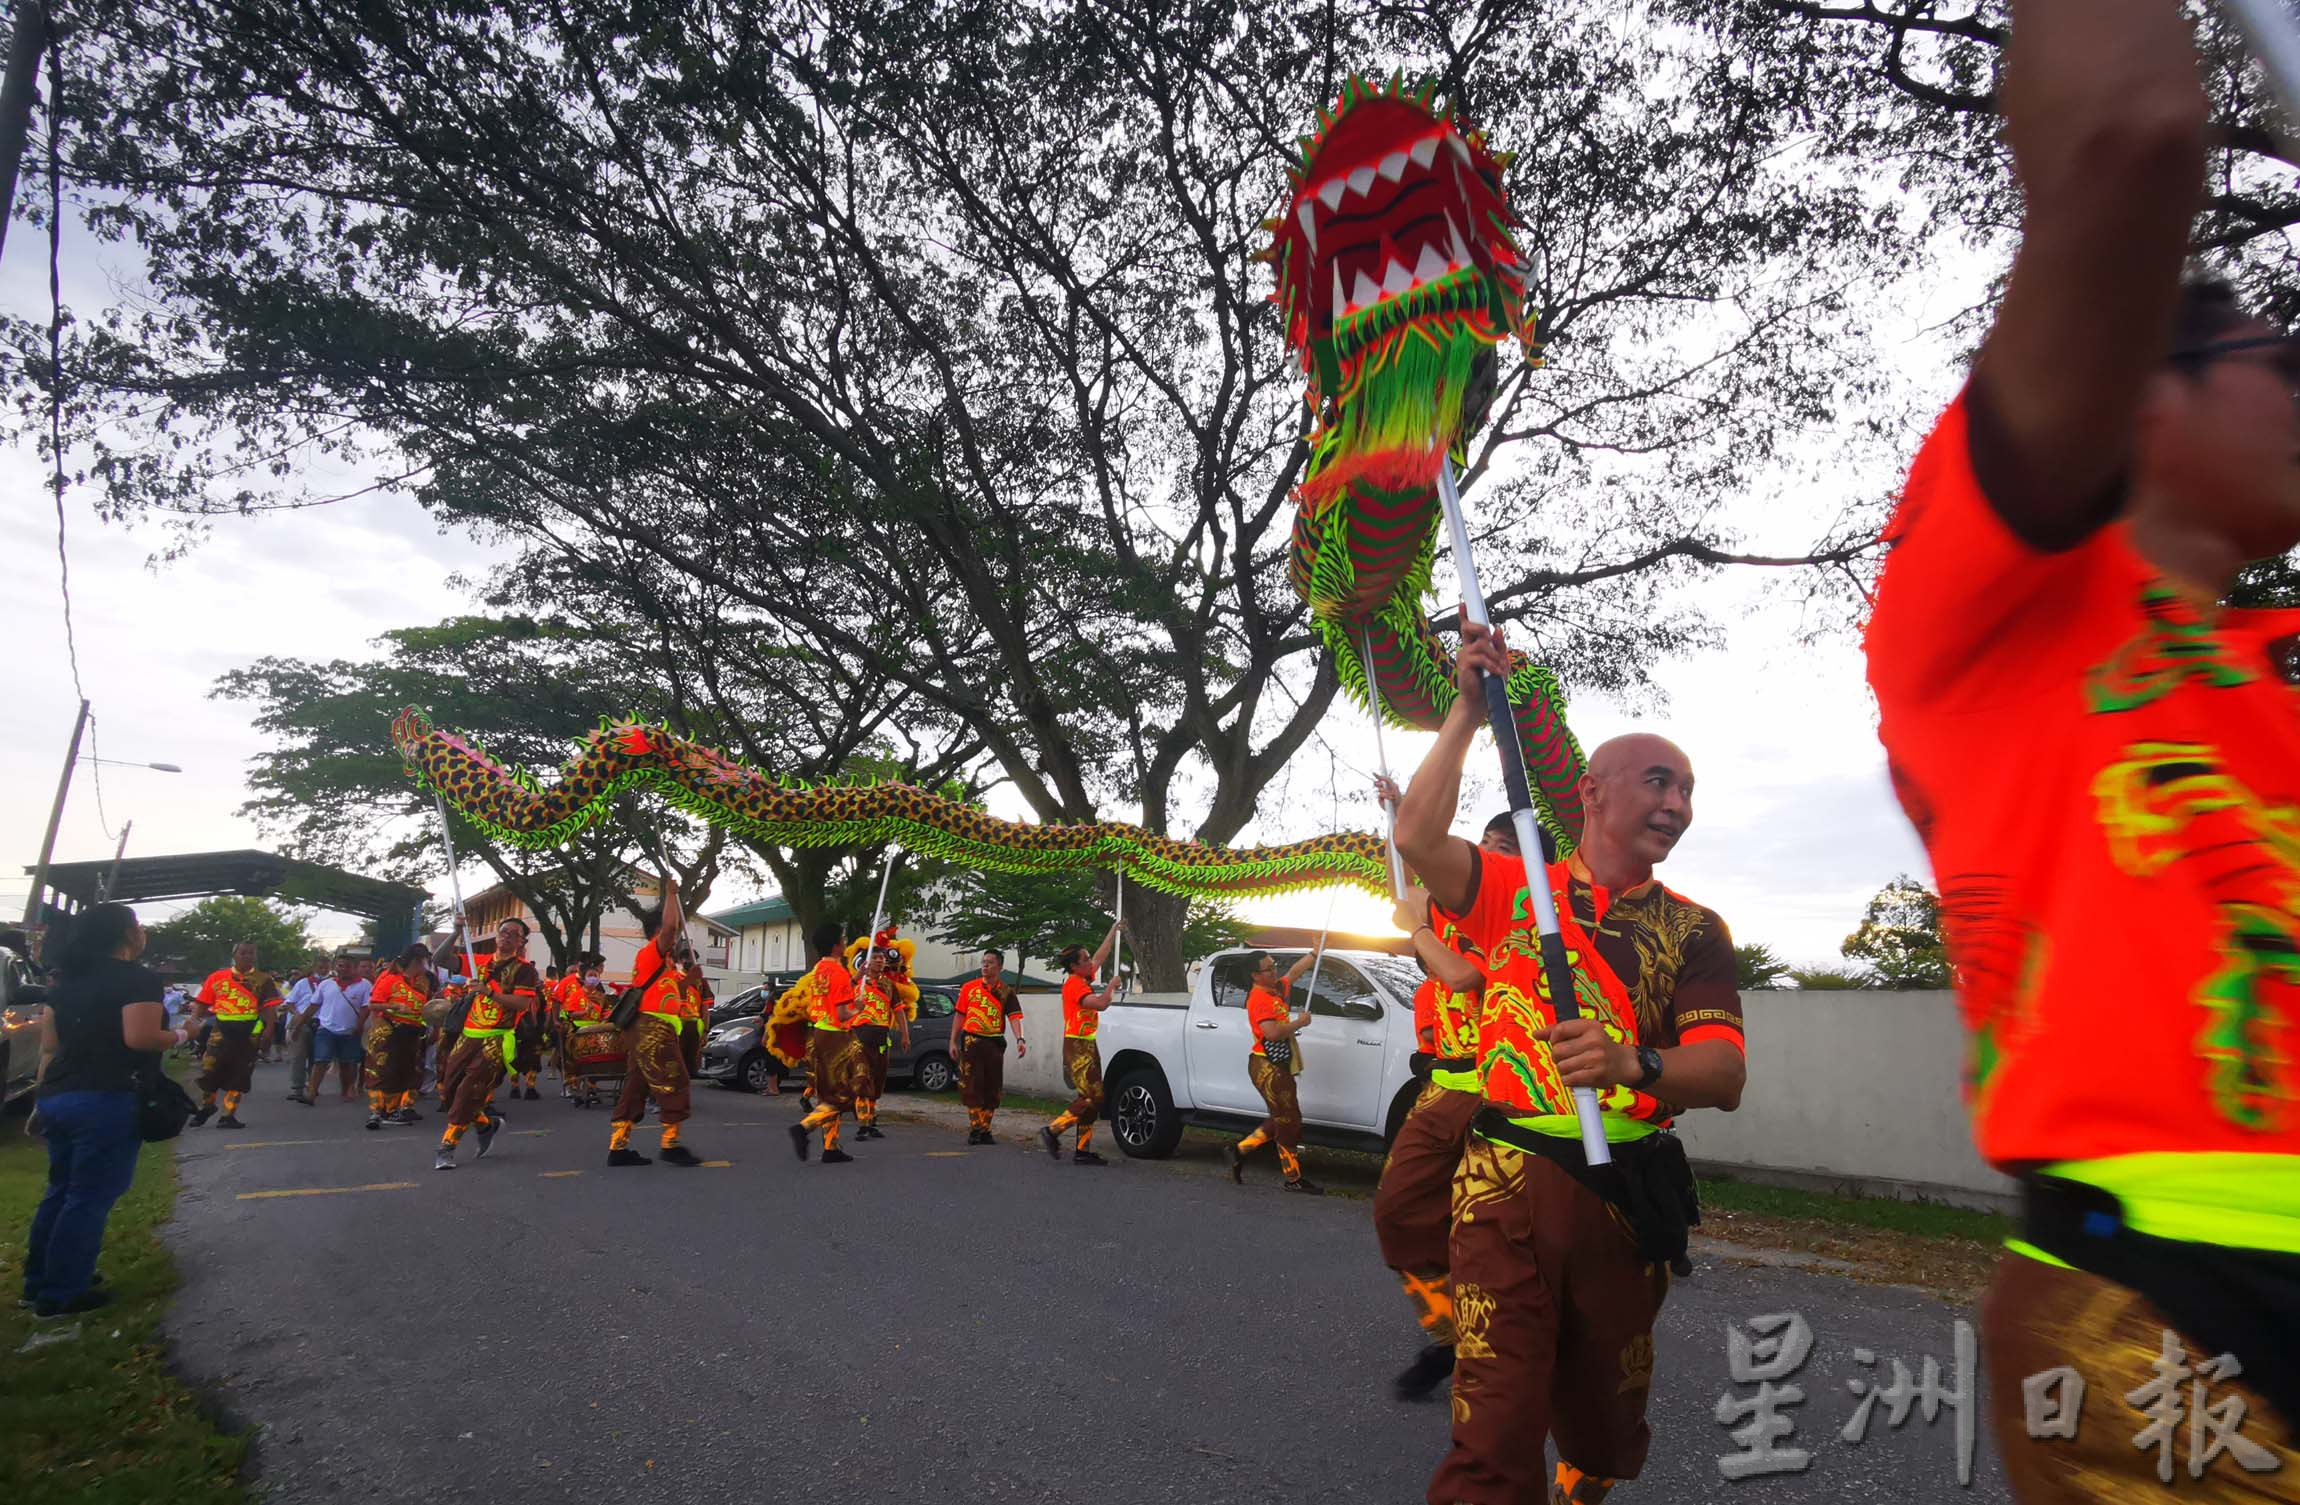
pixel 929 1323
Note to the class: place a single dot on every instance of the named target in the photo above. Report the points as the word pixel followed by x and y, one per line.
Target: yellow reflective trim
pixel 2231 1199
pixel 1462 1081
pixel 2028 1250
pixel 486 1034
pixel 1618 1130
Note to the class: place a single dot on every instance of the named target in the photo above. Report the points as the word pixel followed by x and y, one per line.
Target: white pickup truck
pixel 1173 1059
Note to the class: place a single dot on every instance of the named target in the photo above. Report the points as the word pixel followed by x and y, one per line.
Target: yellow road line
pixel 946 1154
pixel 549 1175
pixel 325 1191
pixel 272 1144
pixel 716 1165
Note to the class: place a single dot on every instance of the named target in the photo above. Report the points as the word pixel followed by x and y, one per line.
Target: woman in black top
pixel 103 1027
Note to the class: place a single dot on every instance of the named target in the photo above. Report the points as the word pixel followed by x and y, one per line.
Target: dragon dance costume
pixel 986 1009
pixel 670 1012
pixel 393 1049
pixel 236 1002
pixel 506 988
pixel 881 1004
pixel 835 1069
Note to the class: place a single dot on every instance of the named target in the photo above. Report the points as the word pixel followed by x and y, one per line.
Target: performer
pixel 394 1045
pixel 1270 1065
pixel 885 999
pixel 1559 1269
pixel 2104 763
pixel 527 1042
pixel 233 1000
pixel 668 1010
pixel 582 1000
pixel 505 988
pixel 834 1062
pixel 1413 1203
pixel 452 964
pixel 988 1007
pixel 1082 1010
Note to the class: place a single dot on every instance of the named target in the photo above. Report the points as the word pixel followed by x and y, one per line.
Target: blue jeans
pixel 92 1145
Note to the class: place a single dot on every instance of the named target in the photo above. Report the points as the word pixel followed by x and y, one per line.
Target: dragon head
pixel 1396 276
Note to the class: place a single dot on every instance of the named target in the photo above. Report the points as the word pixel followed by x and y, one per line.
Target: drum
pixel 598 1050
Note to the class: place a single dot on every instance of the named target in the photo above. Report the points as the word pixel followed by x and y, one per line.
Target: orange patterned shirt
pixel 983 1007
pixel 1078 1021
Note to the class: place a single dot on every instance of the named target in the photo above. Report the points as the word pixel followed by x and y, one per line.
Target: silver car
pixel 733 1055
pixel 19 1026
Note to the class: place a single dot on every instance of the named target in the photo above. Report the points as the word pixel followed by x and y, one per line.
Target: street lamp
pixel 117 763
pixel 33 900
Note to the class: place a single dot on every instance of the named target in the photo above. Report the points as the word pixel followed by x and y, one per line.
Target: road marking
pixel 325 1191
pixel 549 1175
pixel 716 1165
pixel 271 1144
pixel 946 1154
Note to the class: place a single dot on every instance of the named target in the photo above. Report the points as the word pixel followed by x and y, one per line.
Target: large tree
pixel 201 939
pixel 1900 939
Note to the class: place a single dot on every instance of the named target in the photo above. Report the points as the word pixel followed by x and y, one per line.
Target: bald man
pixel 1558 1267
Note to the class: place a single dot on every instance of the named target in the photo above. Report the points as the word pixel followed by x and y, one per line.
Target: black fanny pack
pixel 2244 1302
pixel 1650 1182
pixel 1279 1052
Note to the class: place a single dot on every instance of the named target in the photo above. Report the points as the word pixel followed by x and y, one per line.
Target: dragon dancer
pixel 394 1044
pixel 507 987
pixel 1271 1064
pixel 2103 760
pixel 988 1007
pixel 1413 1203
pixel 234 999
pixel 834 1060
pixel 884 999
pixel 669 1010
pixel 1559 1268
pixel 1082 1006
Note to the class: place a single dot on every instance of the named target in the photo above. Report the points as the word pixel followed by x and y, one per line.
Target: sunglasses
pixel 2285 361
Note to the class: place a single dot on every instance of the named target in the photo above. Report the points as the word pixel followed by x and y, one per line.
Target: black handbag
pixel 163 1107
pixel 625 1013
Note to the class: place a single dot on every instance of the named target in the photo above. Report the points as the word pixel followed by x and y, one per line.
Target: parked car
pixel 19 1026
pixel 733 1055
pixel 1174 1059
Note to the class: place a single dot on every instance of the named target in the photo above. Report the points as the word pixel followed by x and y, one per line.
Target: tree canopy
pixel 1900 938
pixel 201 938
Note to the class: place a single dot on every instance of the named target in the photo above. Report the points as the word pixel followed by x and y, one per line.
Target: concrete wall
pixel 1855 1090
pixel 1847 1091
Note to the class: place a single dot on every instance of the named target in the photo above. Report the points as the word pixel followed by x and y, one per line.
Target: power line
pixel 56 342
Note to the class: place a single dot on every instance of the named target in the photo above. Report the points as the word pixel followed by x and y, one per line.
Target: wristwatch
pixel 1649 1063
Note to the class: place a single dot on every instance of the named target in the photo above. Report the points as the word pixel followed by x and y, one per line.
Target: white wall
pixel 1855 1091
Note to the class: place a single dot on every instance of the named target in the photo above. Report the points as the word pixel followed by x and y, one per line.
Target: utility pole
pixel 112 878
pixel 55 819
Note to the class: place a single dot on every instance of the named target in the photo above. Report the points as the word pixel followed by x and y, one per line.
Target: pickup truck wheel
pixel 758 1071
pixel 1142 1115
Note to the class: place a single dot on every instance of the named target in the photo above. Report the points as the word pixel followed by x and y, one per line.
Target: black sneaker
pixel 402 1118
pixel 627 1157
pixel 801 1140
pixel 980 1136
pixel 375 1120
pixel 1306 1188
pixel 1052 1141
pixel 1428 1370
pixel 1086 1157
pixel 806 1103
pixel 87 1301
pixel 837 1157
pixel 533 1096
pixel 1237 1161
pixel 487 1133
pixel 202 1114
pixel 230 1121
pixel 678 1154
pixel 444 1160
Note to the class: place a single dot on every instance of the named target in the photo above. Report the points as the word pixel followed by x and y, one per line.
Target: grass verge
pixel 100 1419
pixel 1950 1251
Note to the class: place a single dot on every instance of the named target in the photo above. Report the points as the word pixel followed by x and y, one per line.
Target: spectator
pixel 103 1028
pixel 299 1016
pixel 342 1016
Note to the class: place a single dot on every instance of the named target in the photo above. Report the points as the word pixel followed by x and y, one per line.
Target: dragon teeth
pixel 1330 192
pixel 1365 294
pixel 1341 304
pixel 1424 151
pixel 1362 180
pixel 1309 221
pixel 1461 256
pixel 1433 264
pixel 1396 279
pixel 1393 166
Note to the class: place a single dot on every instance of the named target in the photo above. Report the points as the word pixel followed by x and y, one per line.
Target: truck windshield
pixel 1397 976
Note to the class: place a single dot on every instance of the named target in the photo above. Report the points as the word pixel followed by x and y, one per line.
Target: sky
pixel 1794 824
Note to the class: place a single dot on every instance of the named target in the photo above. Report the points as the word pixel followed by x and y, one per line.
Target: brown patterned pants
pixel 834 1061
pixel 1082 1072
pixel 658 1067
pixel 1554 1312
pixel 2038 1318
pixel 394 1057
pixel 230 1064
pixel 1413 1205
pixel 872 1039
pixel 473 1073
pixel 982 1071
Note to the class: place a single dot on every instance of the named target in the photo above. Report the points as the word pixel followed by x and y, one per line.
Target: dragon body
pixel 1397 278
